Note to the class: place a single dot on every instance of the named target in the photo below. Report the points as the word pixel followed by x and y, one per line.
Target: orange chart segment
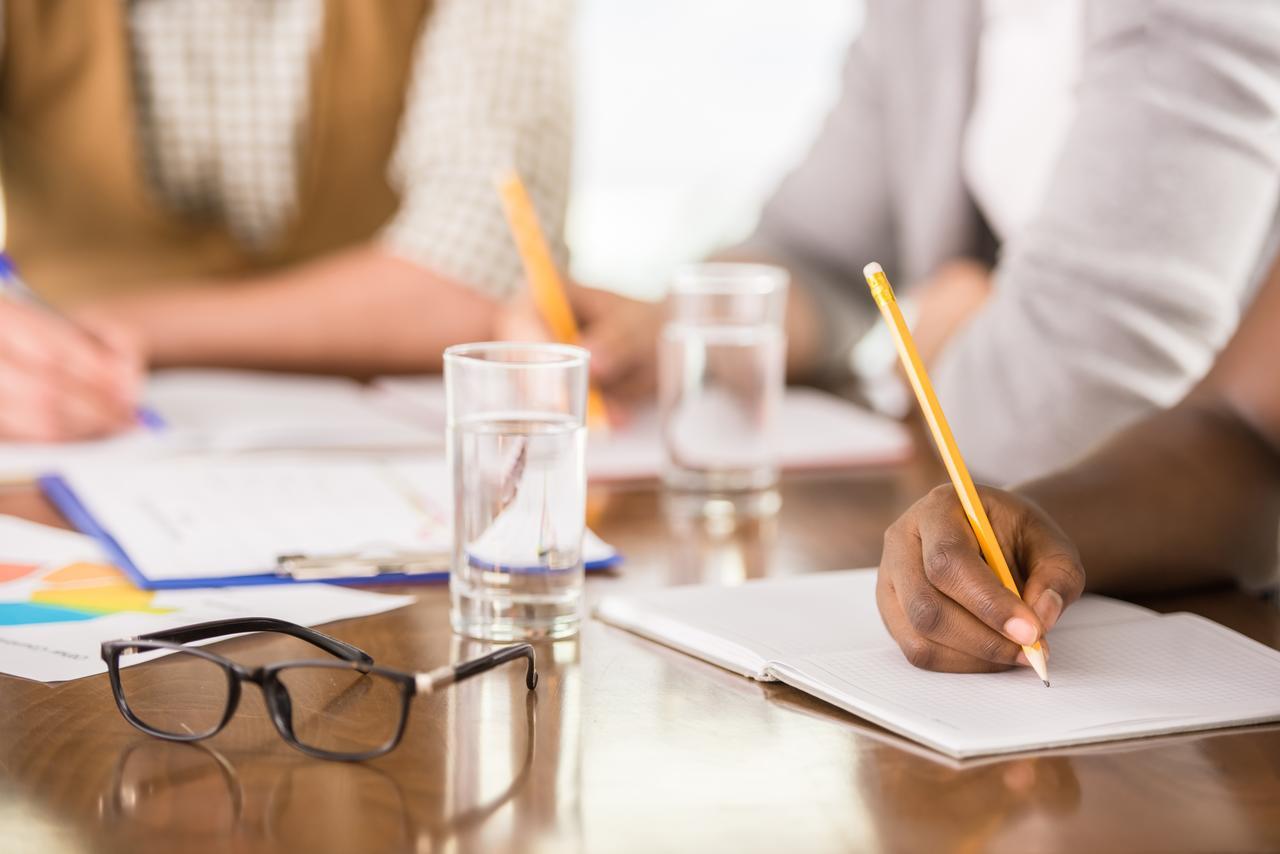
pixel 14 571
pixel 96 589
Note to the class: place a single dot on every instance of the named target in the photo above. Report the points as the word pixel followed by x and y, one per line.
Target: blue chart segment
pixel 26 613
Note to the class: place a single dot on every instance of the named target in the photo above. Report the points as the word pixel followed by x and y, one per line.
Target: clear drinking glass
pixel 722 361
pixel 517 438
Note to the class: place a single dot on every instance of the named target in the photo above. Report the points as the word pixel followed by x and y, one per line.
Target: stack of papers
pixel 60 599
pixel 208 520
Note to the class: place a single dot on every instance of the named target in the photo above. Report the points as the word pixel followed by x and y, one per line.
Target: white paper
pixel 1112 681
pixel 761 621
pixel 1117 670
pixel 211 516
pixel 250 410
pixel 816 430
pixel 228 410
pixel 60 599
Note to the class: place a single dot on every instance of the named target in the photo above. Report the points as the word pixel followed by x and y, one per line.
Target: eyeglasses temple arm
pixel 447 675
pixel 240 625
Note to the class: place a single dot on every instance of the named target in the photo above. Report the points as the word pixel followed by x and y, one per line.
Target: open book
pixel 1118 670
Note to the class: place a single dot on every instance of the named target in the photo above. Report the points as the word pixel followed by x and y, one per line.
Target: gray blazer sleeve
pixel 1132 276
pixel 832 213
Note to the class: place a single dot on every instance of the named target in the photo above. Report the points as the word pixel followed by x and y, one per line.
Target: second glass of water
pixel 722 363
pixel 516 444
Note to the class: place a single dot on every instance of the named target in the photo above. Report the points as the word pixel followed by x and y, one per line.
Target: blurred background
pixel 688 113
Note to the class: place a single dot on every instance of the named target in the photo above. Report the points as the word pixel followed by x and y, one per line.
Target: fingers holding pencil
pixel 942 603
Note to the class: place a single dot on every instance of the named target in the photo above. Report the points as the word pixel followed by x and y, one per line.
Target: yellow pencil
pixel 946 442
pixel 548 291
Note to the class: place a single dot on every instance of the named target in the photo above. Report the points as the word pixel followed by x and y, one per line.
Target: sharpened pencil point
pixel 1046 682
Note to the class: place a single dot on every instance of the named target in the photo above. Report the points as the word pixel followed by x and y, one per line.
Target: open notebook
pixel 1118 671
pixel 226 410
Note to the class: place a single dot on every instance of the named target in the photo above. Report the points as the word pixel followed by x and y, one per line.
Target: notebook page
pixel 230 410
pixel 1111 681
pixel 762 620
pixel 778 619
pixel 816 430
pixel 736 657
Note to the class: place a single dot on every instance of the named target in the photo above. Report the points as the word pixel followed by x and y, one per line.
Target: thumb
pixel 1055 576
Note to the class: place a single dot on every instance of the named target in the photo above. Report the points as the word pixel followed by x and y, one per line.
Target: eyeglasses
pixel 349 710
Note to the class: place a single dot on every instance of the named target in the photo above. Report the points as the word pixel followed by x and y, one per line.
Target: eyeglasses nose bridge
pixel 279 703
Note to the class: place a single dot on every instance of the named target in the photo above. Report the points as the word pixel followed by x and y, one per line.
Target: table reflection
pixel 712 542
pixel 192 792
pixel 550 805
pixel 168 786
pixel 910 800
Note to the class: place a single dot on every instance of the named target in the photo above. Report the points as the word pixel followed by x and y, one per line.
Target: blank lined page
pixel 781 619
pixel 1110 681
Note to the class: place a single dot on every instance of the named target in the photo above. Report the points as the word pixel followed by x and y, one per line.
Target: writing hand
pixel 60 381
pixel 943 604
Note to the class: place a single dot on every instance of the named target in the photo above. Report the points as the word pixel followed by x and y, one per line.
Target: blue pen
pixel 12 285
pixel 11 282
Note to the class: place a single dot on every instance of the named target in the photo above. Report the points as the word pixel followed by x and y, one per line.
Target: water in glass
pixel 519 502
pixel 721 387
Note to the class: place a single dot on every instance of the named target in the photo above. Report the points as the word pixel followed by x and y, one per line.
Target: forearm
pixel 1184 498
pixel 360 312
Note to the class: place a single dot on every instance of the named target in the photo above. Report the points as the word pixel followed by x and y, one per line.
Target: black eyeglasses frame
pixel 276 695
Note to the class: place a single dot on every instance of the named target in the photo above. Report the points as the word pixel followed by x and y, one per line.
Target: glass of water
pixel 721 372
pixel 517 439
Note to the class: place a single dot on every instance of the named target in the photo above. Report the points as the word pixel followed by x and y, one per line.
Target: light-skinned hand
pixel 620 333
pixel 64 381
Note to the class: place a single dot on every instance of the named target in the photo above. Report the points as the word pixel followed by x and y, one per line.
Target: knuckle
pixel 987 609
pixel 924 613
pixel 943 493
pixel 895 533
pixel 919 652
pixel 1070 575
pixel 942 564
pixel 996 648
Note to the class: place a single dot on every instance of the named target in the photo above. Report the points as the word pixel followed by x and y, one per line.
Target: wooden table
pixel 626 746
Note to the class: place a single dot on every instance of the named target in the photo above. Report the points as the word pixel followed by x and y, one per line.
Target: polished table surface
pixel 626 745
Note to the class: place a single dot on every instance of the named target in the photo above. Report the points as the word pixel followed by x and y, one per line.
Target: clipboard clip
pixel 302 567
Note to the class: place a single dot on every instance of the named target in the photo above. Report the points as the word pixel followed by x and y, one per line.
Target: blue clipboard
pixel 62 496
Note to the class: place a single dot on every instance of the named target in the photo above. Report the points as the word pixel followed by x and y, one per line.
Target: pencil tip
pixel 1046 682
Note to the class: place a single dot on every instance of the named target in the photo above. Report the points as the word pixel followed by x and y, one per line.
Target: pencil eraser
pixel 871 269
